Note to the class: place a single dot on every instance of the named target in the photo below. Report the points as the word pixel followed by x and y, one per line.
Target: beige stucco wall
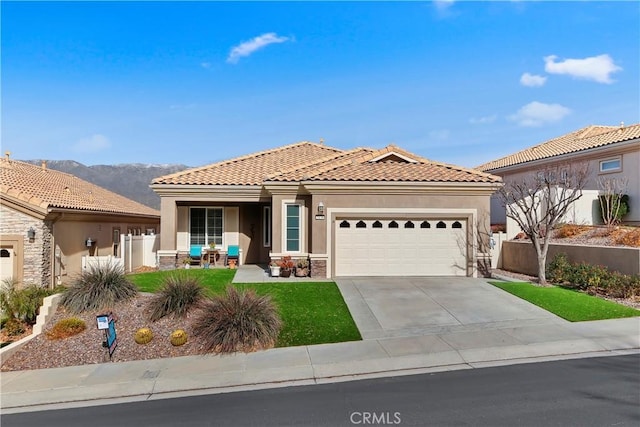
pixel 520 257
pixel 586 209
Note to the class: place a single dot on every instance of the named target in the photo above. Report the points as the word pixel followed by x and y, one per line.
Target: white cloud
pixel 537 113
pixel 205 65
pixel 597 68
pixel 483 120
pixel 439 135
pixel 92 144
pixel 248 47
pixel 442 5
pixel 532 80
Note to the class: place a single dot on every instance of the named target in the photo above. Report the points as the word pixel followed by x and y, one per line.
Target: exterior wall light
pixel 31 234
pixel 320 208
pixel 88 243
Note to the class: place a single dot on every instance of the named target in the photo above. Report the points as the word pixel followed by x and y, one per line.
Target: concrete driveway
pixel 415 306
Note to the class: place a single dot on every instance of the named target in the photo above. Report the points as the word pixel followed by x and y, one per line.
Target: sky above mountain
pixel 199 82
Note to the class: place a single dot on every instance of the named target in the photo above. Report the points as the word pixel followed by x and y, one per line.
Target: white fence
pixel 138 251
pixel 496 249
pixel 97 261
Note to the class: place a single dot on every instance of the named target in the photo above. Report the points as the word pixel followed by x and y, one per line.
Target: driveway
pixel 416 306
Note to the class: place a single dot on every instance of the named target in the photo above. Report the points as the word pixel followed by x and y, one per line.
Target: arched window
pixel 456 225
pixel 409 224
pixel 425 224
pixel 345 224
pixel 393 224
pixel 4 253
pixel 361 224
pixel 441 224
pixel 377 224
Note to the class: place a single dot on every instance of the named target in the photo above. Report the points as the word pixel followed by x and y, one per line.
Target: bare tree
pixel 612 205
pixel 540 201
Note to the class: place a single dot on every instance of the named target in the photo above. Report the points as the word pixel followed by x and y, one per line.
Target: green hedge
pixel 593 279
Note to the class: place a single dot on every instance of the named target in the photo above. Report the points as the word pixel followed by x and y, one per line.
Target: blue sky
pixel 198 82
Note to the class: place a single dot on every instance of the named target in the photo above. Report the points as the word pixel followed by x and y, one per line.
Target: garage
pixel 400 247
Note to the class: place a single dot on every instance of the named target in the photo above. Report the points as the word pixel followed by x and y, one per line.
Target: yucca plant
pixel 238 321
pixel 179 292
pixel 98 288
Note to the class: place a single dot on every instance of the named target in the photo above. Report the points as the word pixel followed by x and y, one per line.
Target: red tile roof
pixel 308 161
pixel 49 189
pixel 580 140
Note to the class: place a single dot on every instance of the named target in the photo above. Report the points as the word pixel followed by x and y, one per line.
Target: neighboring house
pixel 49 220
pixel 610 152
pixel 359 212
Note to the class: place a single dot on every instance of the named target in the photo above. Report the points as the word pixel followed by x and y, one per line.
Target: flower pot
pixel 285 272
pixel 232 264
pixel 275 271
pixel 302 271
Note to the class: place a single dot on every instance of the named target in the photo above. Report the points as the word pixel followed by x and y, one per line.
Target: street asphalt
pixel 409 326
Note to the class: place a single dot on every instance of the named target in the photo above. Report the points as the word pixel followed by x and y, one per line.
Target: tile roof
pixel 580 140
pixel 49 189
pixel 308 161
pixel 254 168
pixel 417 169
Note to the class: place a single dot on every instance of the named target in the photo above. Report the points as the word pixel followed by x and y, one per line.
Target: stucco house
pixel 49 220
pixel 609 152
pixel 359 212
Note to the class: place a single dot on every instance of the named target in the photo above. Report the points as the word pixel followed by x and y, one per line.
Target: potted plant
pixel 187 263
pixel 302 268
pixel 286 266
pixel 274 266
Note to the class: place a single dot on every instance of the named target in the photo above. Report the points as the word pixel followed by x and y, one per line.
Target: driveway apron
pixel 416 306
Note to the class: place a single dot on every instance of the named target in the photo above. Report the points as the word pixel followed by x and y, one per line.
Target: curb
pixel 49 306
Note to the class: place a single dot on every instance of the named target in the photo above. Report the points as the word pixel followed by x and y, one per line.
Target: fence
pixel 139 251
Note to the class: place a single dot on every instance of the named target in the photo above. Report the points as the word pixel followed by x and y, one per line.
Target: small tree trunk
pixel 542 274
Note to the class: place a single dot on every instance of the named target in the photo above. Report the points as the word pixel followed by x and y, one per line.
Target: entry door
pixel 7 259
pixel 400 247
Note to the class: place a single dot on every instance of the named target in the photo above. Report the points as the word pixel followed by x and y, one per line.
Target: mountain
pixel 128 179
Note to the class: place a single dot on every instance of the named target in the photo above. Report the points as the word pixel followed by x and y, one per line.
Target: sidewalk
pixel 439 350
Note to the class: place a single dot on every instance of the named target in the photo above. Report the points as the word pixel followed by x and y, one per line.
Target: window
pixel 393 224
pixel 611 165
pixel 345 224
pixel 441 224
pixel 361 224
pixel 205 226
pixel 456 225
pixel 409 224
pixel 266 226
pixel 377 224
pixel 292 228
pixel 425 224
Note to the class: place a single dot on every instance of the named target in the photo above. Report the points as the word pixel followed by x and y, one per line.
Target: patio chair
pixel 195 253
pixel 233 252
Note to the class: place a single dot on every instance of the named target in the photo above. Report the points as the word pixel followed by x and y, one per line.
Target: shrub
pixel 14 327
pixel 99 288
pixel 22 303
pixel 178 293
pixel 66 328
pixel 559 269
pixel 608 204
pixel 238 321
pixel 143 336
pixel 570 230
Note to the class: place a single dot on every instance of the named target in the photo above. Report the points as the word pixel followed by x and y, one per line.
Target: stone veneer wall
pixel 319 268
pixel 36 256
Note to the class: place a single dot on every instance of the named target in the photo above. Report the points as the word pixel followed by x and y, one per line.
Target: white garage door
pixel 400 247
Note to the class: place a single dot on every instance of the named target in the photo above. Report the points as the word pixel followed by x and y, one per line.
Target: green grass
pixel 311 312
pixel 571 305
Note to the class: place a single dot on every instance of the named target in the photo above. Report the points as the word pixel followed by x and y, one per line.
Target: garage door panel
pixel 389 251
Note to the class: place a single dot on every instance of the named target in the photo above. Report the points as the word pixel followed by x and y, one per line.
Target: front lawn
pixel 571 305
pixel 311 312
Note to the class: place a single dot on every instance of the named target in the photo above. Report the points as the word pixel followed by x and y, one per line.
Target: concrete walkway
pixel 463 337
